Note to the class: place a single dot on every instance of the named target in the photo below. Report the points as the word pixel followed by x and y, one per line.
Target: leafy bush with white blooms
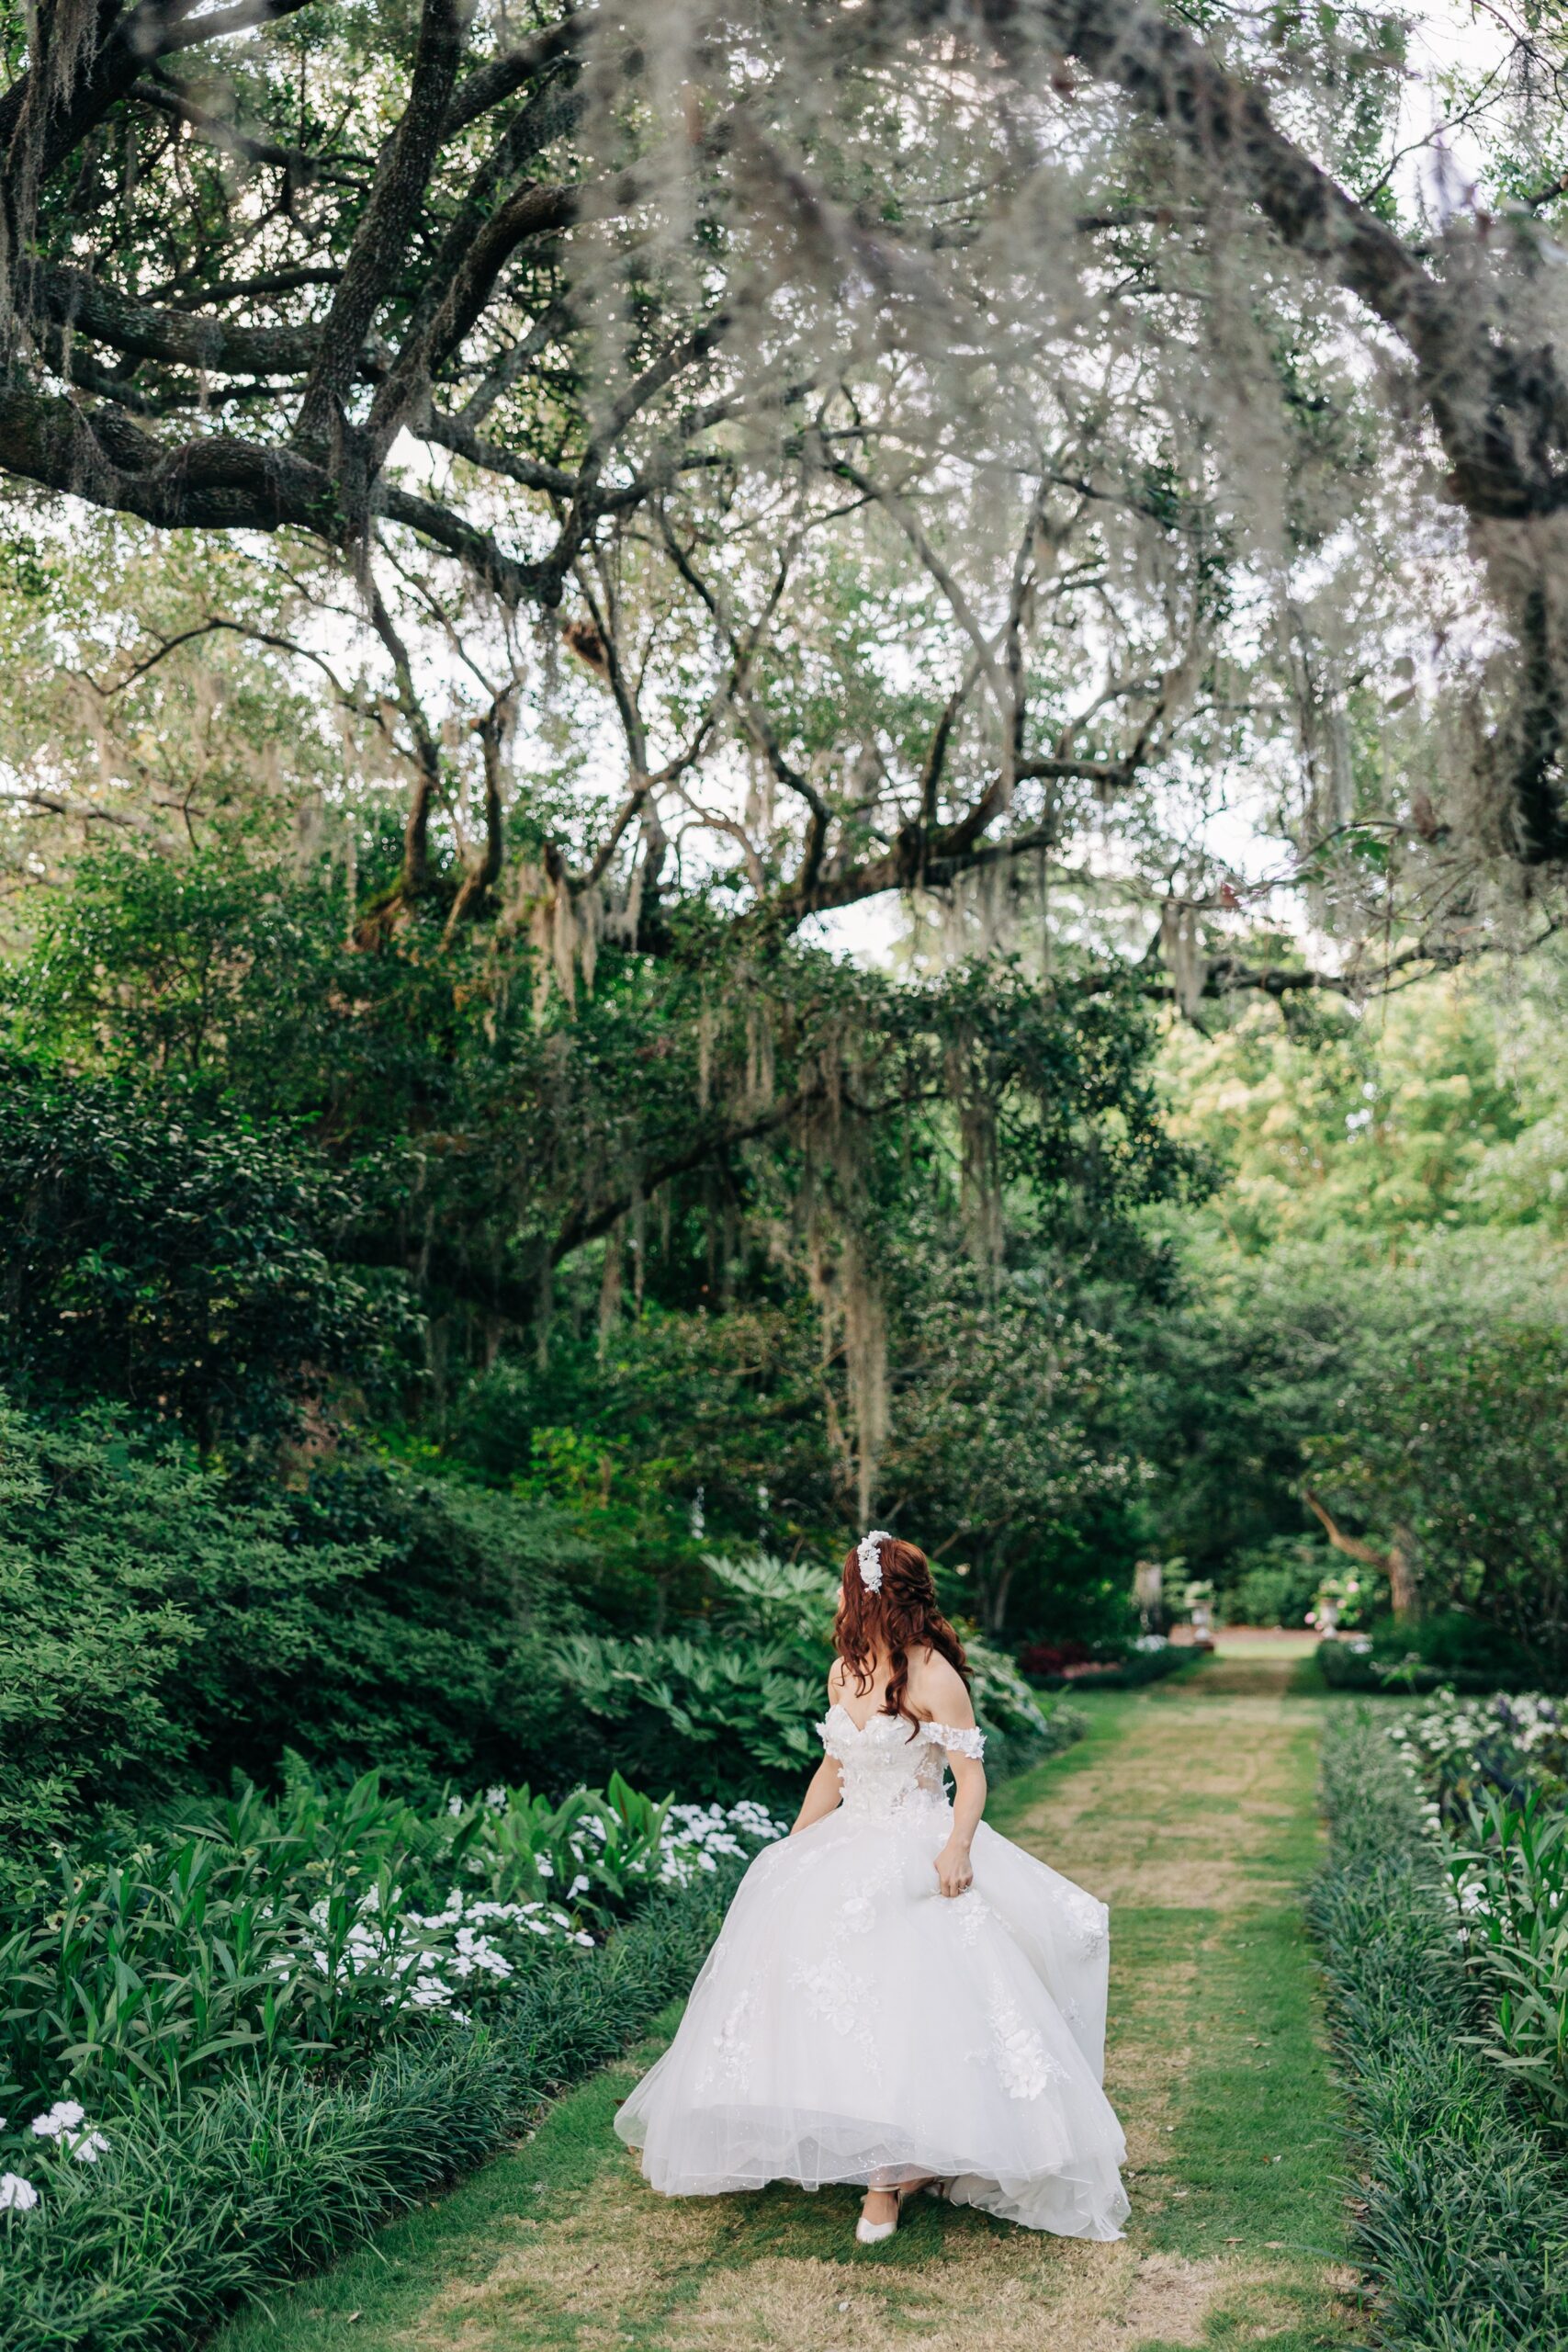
pixel 61 2133
pixel 1493 1774
pixel 1458 1747
pixel 447 1958
pixel 306 1930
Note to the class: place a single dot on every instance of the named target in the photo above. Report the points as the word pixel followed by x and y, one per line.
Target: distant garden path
pixel 1190 1807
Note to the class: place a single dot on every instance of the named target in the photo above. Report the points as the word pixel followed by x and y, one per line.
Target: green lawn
pixel 1191 1808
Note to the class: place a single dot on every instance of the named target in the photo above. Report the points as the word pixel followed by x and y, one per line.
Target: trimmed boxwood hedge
pixel 1462 2213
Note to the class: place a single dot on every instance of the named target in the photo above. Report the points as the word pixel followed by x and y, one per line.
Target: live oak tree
pixel 649 333
pixel 719 471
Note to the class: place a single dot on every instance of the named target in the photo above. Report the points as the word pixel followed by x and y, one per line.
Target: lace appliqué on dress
pixel 729 2059
pixel 858 1915
pixel 1090 1922
pixel 972 1911
pixel 1024 2066
pixel 958 1743
pixel 832 1992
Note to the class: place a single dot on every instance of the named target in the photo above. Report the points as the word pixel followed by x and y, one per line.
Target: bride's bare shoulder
pixel 939 1690
pixel 836 1679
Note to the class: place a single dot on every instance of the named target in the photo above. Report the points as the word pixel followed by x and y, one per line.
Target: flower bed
pixel 1490 1777
pixel 1458 1748
pixel 312 1933
pixel 272 2170
pixel 232 2046
pixel 1068 1665
pixel 1461 2216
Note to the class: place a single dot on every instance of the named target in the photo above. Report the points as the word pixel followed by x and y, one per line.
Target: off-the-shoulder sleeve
pixel 958 1743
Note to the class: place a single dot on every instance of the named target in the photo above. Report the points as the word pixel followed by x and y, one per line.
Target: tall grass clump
pixel 1463 2217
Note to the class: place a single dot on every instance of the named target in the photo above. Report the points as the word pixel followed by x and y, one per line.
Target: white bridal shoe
pixel 872 2232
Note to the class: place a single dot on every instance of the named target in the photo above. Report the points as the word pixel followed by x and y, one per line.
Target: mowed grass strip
pixel 1192 1808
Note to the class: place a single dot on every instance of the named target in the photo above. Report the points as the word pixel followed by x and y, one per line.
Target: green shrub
pixel 1140 1667
pixel 190 2212
pixel 176 1257
pixel 729 1704
pixel 1495 1776
pixel 160 1627
pixel 120 1558
pixel 1462 2213
pixel 1274 1583
pixel 1451 1648
pixel 1148 1659
pixel 1462 1454
pixel 1510 1870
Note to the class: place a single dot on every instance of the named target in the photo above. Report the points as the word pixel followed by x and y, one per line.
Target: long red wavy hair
pixel 902 1616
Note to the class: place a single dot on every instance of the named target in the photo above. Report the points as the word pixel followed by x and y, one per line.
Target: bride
pixel 899 1998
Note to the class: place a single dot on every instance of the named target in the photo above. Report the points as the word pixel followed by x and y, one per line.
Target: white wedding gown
pixel 852 2023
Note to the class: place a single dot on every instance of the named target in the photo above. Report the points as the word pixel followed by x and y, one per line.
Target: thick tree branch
pixel 71 298
pixel 484 872
pixel 129 40
pixel 415 877
pixel 380 250
pixel 1394 1564
pixel 501 77
pixel 300 170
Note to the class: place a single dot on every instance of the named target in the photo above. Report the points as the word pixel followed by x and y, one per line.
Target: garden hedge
pixel 1461 2215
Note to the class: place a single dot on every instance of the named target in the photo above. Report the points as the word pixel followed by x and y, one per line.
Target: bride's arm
pixel 952 1867
pixel 824 1790
pixel 942 1697
pixel 821 1798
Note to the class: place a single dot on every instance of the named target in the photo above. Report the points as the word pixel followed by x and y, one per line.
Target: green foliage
pixel 1461 2216
pixel 1495 1775
pixel 727 1706
pixel 1391 1203
pixel 1451 1649
pixel 175 1258
pixel 463 1121
pixel 159 1627
pixel 308 1930
pixel 1365 1131
pixel 157 1968
pixel 192 2210
pixel 1509 1869
pixel 1464 1453
pixel 1275 1582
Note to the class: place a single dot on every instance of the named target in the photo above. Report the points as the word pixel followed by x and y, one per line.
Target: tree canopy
pixel 951 448
pixel 516 526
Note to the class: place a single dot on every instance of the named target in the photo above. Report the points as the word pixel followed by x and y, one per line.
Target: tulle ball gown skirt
pixel 853 2024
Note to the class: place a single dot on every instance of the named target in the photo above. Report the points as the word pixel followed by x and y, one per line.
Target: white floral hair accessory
pixel 868 1557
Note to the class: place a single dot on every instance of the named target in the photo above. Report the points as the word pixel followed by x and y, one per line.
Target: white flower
pixel 63 2116
pixel 86 2146
pixel 16 2195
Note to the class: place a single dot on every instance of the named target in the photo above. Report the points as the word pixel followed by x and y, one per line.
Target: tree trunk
pixel 1396 1564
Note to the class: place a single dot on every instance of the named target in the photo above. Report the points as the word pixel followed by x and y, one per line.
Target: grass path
pixel 1190 1809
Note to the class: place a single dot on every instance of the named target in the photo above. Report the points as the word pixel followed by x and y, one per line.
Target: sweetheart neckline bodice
pixel 878 1716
